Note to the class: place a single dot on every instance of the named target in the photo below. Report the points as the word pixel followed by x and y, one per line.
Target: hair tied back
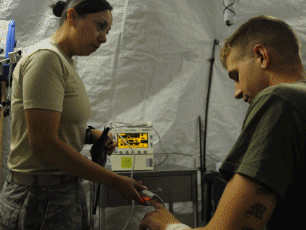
pixel 58 8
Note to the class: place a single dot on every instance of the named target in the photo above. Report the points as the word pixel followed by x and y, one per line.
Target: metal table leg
pixel 101 210
pixel 91 205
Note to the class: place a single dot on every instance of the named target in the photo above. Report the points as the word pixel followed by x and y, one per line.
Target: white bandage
pixel 177 227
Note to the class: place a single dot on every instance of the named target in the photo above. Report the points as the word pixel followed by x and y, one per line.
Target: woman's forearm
pixel 67 159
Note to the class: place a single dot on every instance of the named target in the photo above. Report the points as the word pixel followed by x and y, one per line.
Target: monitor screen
pixel 135 140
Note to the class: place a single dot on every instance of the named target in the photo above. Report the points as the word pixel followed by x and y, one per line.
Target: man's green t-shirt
pixel 271 147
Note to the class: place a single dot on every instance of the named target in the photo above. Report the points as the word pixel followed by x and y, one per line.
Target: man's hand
pixel 110 144
pixel 158 219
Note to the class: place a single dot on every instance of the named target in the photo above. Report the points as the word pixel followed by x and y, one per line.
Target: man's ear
pixel 262 55
pixel 72 17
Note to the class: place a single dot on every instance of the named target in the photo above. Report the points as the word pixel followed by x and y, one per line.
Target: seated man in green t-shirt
pixel 265 167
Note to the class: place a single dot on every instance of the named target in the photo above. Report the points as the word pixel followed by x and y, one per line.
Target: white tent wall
pixel 155 67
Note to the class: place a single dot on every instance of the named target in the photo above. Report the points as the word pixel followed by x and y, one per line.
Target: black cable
pixel 227 7
pixel 161 149
pixel 99 155
pixel 212 60
pixel 203 162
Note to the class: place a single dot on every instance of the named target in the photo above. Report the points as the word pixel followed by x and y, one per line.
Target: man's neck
pixel 287 77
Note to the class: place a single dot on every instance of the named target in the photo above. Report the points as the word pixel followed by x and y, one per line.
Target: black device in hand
pixel 98 149
pixel 99 155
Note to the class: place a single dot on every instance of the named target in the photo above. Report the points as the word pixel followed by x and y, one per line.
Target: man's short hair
pixel 272 33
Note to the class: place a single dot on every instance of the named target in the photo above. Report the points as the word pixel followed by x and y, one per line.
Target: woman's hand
pixel 110 143
pixel 129 188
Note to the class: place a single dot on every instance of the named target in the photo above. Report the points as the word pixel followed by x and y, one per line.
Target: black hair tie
pixel 58 8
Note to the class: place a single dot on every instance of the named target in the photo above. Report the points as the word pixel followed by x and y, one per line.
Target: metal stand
pixel 101 213
pixel 164 182
pixel 101 210
pixel 91 205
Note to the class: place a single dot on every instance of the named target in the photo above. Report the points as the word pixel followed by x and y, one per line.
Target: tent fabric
pixel 155 67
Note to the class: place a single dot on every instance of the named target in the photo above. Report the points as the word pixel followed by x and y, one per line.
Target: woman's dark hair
pixel 82 7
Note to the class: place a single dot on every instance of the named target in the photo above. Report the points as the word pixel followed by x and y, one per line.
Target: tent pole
pixel 206 185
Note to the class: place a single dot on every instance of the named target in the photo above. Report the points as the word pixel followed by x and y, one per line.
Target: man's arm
pixel 244 205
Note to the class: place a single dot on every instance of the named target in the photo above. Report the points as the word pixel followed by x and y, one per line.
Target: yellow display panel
pixel 135 140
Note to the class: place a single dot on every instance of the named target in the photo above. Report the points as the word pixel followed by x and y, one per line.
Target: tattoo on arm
pixel 256 210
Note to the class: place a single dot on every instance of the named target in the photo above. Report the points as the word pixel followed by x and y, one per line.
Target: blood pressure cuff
pixel 98 149
pixel 88 135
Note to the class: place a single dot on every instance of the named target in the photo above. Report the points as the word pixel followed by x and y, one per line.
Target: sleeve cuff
pixel 177 227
